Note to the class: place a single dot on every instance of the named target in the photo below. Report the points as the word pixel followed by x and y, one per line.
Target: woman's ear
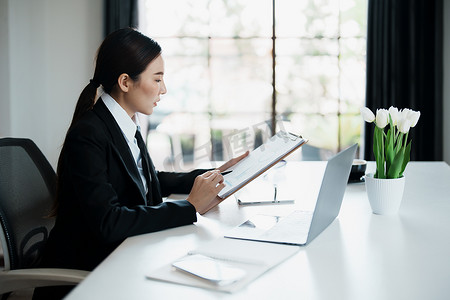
pixel 124 82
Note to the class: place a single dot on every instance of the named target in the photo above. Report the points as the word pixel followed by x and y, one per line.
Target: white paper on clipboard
pixel 259 160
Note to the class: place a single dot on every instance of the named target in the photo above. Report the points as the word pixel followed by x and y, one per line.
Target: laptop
pixel 301 227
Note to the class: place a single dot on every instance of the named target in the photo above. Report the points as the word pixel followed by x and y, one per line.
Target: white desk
pixel 359 256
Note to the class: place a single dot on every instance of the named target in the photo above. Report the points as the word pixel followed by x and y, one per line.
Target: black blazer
pixel 101 198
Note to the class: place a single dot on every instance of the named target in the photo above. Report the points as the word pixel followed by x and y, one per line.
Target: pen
pixel 226 172
pixel 240 202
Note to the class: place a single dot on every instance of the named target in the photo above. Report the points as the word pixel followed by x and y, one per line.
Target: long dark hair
pixel 123 51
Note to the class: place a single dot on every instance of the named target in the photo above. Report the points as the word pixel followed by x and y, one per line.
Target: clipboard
pixel 260 160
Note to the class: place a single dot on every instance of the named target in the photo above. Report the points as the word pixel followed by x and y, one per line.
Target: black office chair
pixel 27 190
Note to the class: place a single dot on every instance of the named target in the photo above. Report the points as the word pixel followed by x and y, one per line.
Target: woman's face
pixel 144 93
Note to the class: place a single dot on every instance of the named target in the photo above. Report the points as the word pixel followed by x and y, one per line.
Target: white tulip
pixel 403 125
pixel 395 114
pixel 382 118
pixel 367 114
pixel 404 113
pixel 413 116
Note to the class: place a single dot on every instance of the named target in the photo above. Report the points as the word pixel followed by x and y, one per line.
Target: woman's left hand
pixel 232 162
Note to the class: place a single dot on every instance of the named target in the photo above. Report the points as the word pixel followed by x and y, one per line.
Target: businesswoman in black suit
pixel 108 188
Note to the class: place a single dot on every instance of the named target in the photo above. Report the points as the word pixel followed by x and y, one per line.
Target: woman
pixel 108 189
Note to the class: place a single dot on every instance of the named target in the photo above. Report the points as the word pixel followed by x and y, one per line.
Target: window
pixel 236 68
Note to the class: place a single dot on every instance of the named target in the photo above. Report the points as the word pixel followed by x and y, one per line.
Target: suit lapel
pixel 118 140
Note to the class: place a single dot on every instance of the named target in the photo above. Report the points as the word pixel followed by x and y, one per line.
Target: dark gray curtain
pixel 120 14
pixel 404 69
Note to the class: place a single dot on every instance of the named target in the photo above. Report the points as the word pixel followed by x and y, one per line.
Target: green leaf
pixel 399 142
pixel 379 152
pixel 406 158
pixel 390 154
pixel 396 167
pixel 375 150
pixel 383 171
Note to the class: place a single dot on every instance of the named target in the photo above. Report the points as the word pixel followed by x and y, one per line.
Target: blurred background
pixel 237 70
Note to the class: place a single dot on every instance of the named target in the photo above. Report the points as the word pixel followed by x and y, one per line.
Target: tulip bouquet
pixel 391 148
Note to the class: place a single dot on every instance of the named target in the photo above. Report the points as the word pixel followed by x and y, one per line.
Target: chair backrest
pixel 27 190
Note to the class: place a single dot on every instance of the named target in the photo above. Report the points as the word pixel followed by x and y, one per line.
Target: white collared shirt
pixel 128 127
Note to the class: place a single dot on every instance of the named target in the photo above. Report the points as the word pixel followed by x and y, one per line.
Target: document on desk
pixel 225 265
pixel 259 160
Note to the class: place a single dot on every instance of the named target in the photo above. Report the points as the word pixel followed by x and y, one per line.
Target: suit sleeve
pixel 87 158
pixel 178 183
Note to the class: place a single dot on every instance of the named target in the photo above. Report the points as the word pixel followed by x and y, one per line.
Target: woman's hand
pixel 203 195
pixel 232 162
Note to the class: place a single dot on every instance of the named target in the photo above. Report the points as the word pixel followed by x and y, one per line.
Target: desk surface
pixel 359 256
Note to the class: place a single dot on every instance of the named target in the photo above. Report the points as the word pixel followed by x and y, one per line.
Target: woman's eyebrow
pixel 159 73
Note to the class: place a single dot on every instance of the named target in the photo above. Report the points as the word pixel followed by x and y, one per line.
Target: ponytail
pixel 86 101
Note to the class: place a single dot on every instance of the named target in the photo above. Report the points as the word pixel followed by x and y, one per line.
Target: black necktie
pixel 144 162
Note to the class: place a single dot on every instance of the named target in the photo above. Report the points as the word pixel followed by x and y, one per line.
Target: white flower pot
pixel 385 195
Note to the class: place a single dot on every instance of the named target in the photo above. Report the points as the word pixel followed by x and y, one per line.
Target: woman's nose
pixel 163 88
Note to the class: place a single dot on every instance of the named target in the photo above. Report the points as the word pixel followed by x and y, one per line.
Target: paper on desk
pixel 254 258
pixel 214 270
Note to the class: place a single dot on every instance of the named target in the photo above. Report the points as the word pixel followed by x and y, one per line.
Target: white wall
pixel 50 47
pixel 447 81
pixel 5 120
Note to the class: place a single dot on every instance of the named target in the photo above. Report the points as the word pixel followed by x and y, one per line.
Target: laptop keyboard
pixel 295 224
